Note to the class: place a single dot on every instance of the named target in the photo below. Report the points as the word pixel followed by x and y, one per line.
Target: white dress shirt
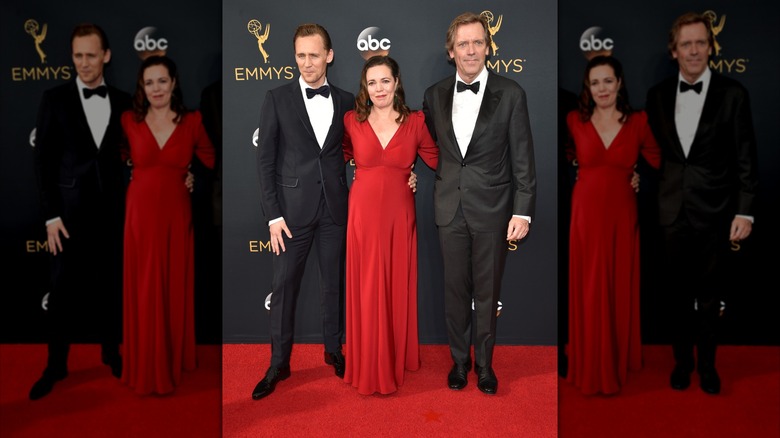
pixel 687 110
pixel 97 109
pixel 465 109
pixel 320 110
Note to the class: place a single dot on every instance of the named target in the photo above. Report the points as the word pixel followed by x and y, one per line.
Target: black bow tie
pixel 101 91
pixel 684 86
pixel 324 91
pixel 473 87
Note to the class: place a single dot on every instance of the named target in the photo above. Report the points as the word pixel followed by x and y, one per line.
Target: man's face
pixel 89 58
pixel 312 59
pixel 470 50
pixel 692 51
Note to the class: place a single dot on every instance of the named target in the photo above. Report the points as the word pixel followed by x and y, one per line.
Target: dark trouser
pixel 288 267
pixel 85 302
pixel 695 285
pixel 473 268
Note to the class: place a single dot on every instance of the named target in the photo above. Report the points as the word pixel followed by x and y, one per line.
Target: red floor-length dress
pixel 604 336
pixel 381 339
pixel 159 324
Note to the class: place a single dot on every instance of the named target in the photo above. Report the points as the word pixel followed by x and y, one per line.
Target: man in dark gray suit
pixel 707 187
pixel 484 191
pixel 303 194
pixel 79 169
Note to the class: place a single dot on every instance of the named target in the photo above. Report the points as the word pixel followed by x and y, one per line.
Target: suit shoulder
pixel 343 93
pixel 666 83
pixel 118 92
pixel 443 83
pixel 60 91
pixel 722 81
pixel 285 88
pixel 502 81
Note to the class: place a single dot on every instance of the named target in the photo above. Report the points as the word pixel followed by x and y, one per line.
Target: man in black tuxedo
pixel 707 187
pixel 483 194
pixel 79 170
pixel 304 191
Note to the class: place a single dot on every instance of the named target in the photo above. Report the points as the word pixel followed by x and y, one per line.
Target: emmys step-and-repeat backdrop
pixel 746 40
pixel 239 49
pixel 37 56
pixel 258 56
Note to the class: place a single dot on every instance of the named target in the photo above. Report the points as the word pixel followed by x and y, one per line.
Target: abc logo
pixel 592 45
pixel 146 45
pixel 370 44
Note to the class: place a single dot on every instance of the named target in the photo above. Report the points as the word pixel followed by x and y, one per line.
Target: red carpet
pixel 748 405
pixel 313 402
pixel 92 403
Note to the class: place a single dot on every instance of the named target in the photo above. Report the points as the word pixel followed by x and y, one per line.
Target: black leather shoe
pixel 268 384
pixel 709 381
pixel 680 378
pixel 337 360
pixel 45 384
pixel 486 380
pixel 457 378
pixel 115 362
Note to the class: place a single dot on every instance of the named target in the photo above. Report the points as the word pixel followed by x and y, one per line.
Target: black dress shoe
pixel 680 378
pixel 457 377
pixel 709 381
pixel 45 384
pixel 486 380
pixel 337 360
pixel 115 362
pixel 267 385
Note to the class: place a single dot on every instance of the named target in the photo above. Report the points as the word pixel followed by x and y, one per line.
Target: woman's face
pixel 158 86
pixel 381 86
pixel 603 85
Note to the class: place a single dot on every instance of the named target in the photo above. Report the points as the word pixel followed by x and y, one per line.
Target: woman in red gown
pixel 608 138
pixel 163 137
pixel 384 137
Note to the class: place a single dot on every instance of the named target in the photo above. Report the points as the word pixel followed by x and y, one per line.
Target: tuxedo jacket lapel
pixel 300 108
pixel 709 111
pixel 669 101
pixel 113 132
pixel 76 108
pixel 487 109
pixel 446 94
pixel 335 99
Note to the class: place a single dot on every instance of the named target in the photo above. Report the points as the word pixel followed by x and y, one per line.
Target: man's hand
pixel 635 182
pixel 53 231
pixel 190 181
pixel 518 228
pixel 740 229
pixel 413 181
pixel 275 230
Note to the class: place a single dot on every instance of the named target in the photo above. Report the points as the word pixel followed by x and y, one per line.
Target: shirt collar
pixel 704 79
pixel 481 78
pixel 304 85
pixel 82 85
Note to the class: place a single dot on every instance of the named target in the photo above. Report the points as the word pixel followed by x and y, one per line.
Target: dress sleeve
pixel 204 149
pixel 346 141
pixel 569 147
pixel 426 147
pixel 124 147
pixel 649 147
